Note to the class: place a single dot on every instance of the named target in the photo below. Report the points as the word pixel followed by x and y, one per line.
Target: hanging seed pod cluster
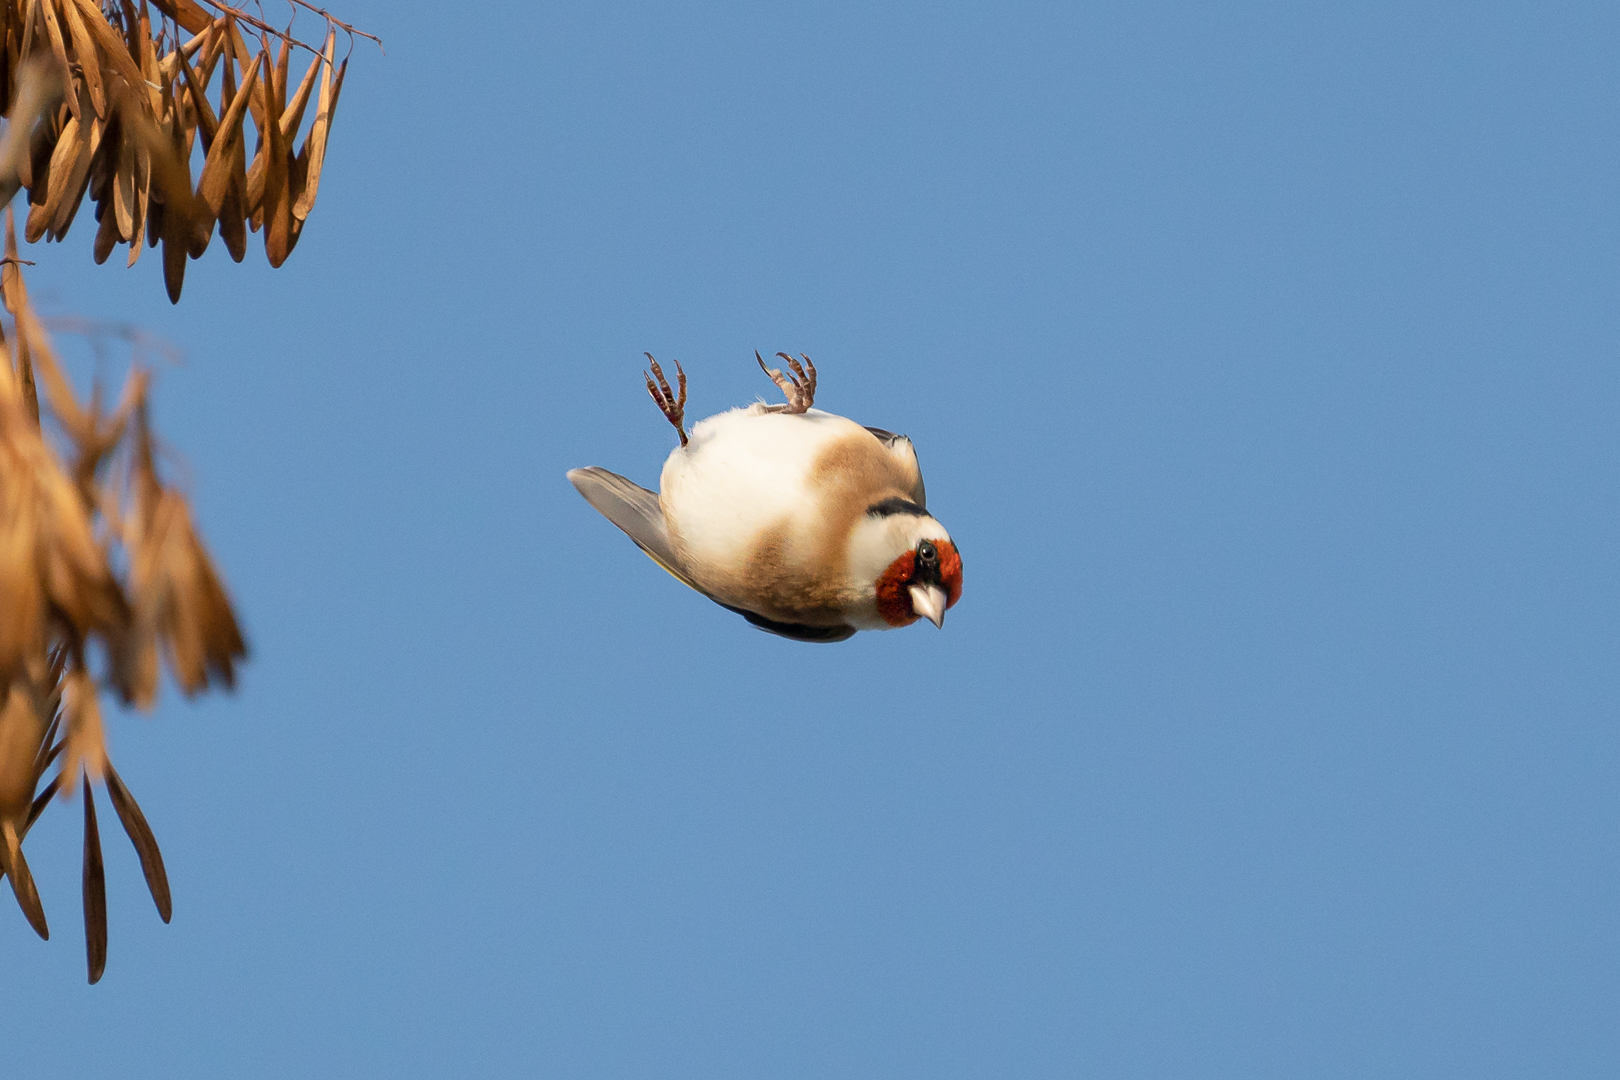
pixel 98 557
pixel 153 128
pixel 104 581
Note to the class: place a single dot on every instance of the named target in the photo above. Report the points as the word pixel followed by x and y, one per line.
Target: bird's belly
pixel 745 527
pixel 756 556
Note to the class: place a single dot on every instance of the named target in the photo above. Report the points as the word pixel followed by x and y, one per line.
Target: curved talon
pixel 799 387
pixel 673 406
pixel 806 381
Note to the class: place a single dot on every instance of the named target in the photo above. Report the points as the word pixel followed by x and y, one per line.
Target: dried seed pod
pixel 22 879
pixel 95 892
pixel 215 188
pixel 123 76
pixel 53 31
pixel 14 294
pixel 315 143
pixel 63 160
pixel 146 848
pixel 238 45
pixel 232 211
pixel 184 12
pixel 83 51
pixel 207 122
pixel 21 732
pixel 106 233
pixel 105 103
pixel 178 599
pixel 119 59
pixel 85 740
pixel 124 189
pixel 277 202
pixel 292 117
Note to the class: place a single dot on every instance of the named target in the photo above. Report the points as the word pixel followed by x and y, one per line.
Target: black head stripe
pixel 895 505
pixel 926 568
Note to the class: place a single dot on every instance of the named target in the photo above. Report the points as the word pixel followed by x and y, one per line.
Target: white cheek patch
pixel 871 549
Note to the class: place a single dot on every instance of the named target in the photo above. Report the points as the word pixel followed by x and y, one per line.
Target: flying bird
pixel 806 524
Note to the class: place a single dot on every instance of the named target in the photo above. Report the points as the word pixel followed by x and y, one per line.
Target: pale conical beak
pixel 929 602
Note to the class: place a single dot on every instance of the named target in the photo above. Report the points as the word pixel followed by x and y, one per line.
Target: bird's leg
pixel 799 386
pixel 672 406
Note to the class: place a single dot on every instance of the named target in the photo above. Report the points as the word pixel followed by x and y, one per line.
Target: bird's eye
pixel 927 552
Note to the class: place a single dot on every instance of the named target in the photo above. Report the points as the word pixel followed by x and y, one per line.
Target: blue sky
pixel 1262 361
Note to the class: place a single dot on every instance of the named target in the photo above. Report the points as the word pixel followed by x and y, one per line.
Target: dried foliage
pixel 106 100
pixel 99 561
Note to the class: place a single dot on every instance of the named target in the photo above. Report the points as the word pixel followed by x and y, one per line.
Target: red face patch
pixel 950 571
pixel 893 602
pixel 893 595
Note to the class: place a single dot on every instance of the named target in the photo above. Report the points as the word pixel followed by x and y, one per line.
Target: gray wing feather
pixel 901 448
pixel 635 510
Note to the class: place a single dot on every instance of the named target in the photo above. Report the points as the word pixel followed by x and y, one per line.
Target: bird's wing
pixel 904 455
pixel 796 631
pixel 635 510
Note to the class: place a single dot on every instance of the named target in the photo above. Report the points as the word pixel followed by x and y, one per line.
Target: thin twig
pixel 260 24
pixel 93 330
pixel 340 24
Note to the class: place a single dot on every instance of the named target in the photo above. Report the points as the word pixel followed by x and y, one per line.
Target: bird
pixel 807 524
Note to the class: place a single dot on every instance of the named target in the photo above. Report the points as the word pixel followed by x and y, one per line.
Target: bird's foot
pixel 799 386
pixel 672 406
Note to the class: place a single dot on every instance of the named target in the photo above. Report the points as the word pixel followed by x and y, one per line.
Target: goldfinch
pixel 806 524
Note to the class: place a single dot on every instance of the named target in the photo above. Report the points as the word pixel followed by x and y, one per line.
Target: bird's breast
pixel 760 507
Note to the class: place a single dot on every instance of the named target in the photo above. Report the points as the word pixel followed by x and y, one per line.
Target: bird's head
pixel 916 570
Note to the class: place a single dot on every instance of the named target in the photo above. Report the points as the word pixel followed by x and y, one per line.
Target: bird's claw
pixel 672 405
pixel 799 385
